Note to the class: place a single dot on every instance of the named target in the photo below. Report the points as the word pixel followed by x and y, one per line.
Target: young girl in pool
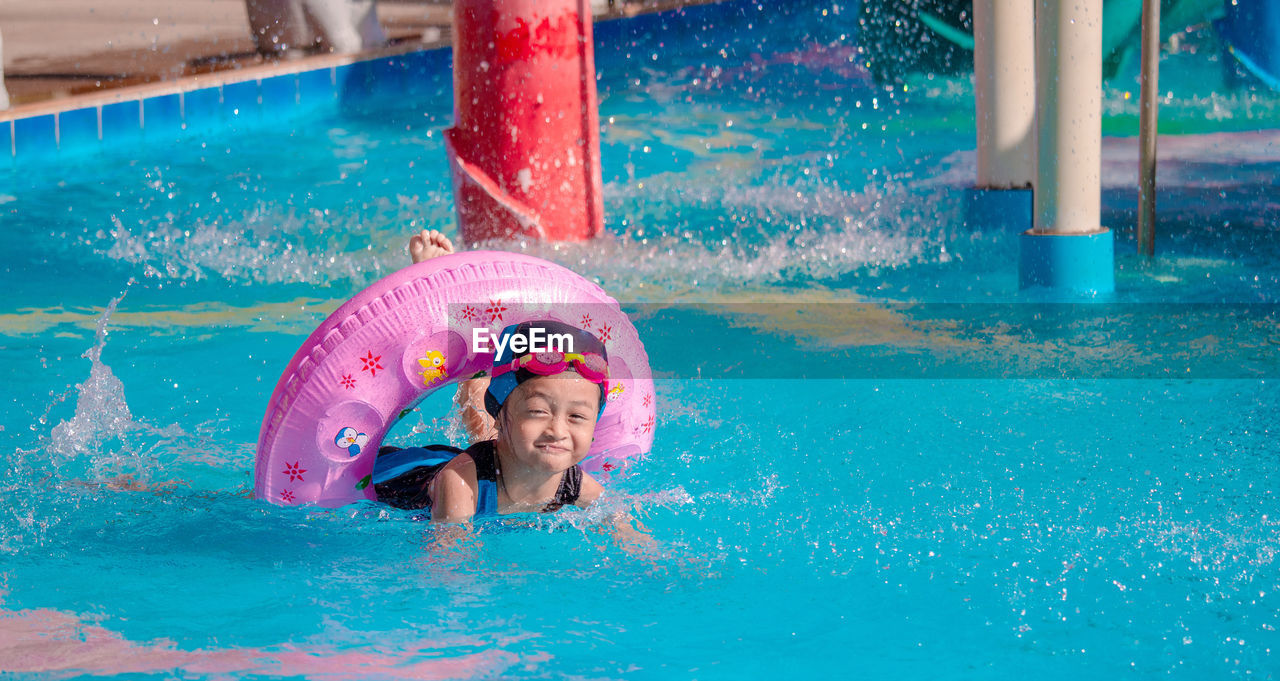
pixel 544 407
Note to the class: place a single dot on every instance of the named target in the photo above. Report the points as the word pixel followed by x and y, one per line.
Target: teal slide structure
pixel 1249 29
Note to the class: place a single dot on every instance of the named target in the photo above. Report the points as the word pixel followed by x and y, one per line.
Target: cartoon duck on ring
pixel 432 367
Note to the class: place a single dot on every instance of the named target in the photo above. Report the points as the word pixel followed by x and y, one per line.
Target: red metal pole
pixel 525 147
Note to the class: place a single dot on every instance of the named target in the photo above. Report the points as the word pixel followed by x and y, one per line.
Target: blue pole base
pixel 1070 263
pixel 1003 210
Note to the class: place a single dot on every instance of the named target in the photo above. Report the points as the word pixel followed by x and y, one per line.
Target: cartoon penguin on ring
pixel 351 440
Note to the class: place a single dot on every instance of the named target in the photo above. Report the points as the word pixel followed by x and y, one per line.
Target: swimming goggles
pixel 590 366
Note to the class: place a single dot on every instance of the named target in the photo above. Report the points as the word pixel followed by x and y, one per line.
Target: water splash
pixel 234 253
pixel 101 411
pixel 100 445
pixel 102 439
pixel 268 244
pixel 722 237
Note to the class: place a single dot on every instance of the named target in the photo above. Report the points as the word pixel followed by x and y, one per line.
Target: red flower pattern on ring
pixel 604 333
pixel 371 364
pixel 287 495
pixel 348 382
pixel 294 471
pixel 495 310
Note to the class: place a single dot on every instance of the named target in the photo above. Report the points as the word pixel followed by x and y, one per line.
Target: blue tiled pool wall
pixel 363 87
pixel 354 87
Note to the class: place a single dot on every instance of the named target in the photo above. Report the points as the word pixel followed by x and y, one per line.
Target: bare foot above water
pixel 428 244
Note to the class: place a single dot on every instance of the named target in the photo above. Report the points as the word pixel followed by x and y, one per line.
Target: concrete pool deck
pixel 69 49
pixel 63 54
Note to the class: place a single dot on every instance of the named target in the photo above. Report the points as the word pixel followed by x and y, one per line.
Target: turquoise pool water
pixel 986 483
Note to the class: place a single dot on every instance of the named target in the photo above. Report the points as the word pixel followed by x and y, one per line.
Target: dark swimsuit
pixel 402 477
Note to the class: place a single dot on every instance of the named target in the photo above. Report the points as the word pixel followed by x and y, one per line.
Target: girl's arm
pixel 589 492
pixel 454 491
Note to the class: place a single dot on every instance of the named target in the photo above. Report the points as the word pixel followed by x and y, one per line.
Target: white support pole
pixel 1005 92
pixel 1068 249
pixel 4 94
pixel 1068 195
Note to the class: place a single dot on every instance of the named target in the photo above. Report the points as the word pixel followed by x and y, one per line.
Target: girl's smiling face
pixel 548 422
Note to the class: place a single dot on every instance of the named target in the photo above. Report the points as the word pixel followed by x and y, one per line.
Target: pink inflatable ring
pixel 411 334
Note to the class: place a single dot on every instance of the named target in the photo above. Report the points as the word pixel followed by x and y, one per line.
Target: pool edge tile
pixel 35 137
pixel 162 117
pixel 278 94
pixel 6 144
pixel 121 122
pixel 79 130
pixel 242 102
pixel 318 88
pixel 202 109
